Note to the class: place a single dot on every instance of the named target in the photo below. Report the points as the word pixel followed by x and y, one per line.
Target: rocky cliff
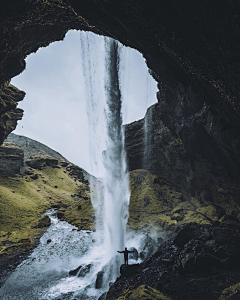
pixel 192 48
pixel 199 165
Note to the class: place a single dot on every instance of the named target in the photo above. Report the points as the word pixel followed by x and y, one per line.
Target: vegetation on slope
pixel 156 204
pixel 23 199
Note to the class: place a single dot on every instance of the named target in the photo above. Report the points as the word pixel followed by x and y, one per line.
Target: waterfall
pixel 116 181
pixel 93 68
pixel 111 199
pixel 107 69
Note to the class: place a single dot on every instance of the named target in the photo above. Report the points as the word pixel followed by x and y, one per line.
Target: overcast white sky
pixel 54 105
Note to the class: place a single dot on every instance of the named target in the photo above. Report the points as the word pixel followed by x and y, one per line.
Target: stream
pixel 44 275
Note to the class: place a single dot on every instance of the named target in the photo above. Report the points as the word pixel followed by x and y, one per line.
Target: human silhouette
pixel 126 251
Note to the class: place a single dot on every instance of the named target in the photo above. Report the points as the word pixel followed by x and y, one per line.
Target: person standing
pixel 126 251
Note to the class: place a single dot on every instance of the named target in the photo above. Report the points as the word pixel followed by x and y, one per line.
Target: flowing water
pixel 45 273
pixel 42 274
pixel 111 198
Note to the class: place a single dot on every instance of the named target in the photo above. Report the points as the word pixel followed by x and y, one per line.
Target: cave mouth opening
pixel 55 104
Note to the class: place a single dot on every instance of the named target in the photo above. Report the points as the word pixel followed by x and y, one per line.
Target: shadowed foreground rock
pixel 129 270
pixel 198 262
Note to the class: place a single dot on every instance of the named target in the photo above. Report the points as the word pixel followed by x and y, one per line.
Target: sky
pixel 55 105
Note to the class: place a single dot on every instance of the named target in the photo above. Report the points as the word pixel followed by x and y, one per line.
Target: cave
pixel 192 49
pixel 196 68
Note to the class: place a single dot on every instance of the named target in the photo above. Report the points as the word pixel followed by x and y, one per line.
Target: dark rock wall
pixel 11 159
pixel 25 26
pixel 192 48
pixel 9 114
pixel 188 148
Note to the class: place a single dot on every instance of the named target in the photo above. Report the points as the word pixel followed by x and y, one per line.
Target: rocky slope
pixel 29 185
pixel 198 262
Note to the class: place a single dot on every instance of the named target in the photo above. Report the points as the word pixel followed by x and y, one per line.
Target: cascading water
pixel 105 114
pixel 44 275
pixel 116 195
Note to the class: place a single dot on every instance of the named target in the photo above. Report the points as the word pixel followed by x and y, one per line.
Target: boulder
pixel 183 236
pixel 44 222
pixel 60 215
pixel 84 270
pixel 34 177
pixel 75 271
pixel 99 280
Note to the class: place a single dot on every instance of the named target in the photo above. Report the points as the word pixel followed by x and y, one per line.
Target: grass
pixel 159 205
pixel 23 200
pixel 154 205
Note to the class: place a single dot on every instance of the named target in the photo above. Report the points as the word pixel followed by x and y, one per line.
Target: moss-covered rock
pixel 143 292
pixel 44 222
pixel 23 200
pixel 232 292
pixel 159 205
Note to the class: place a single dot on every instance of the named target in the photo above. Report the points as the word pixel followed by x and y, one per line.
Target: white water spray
pixel 105 115
pixel 95 252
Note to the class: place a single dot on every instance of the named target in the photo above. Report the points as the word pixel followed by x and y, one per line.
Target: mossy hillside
pixel 143 292
pixel 158 204
pixel 24 199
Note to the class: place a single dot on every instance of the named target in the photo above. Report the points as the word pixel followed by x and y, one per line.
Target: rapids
pixel 44 275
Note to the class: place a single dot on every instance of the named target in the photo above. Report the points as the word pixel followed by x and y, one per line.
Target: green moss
pixel 156 203
pixel 23 200
pixel 143 292
pixel 230 292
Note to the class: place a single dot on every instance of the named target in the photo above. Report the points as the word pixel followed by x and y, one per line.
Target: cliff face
pixel 192 49
pixel 193 152
pixel 9 113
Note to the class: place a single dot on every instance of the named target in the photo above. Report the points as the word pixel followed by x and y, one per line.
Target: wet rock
pixel 147 248
pixel 84 270
pixel 99 280
pixel 75 271
pixel 129 270
pixel 133 255
pixel 60 215
pixel 103 296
